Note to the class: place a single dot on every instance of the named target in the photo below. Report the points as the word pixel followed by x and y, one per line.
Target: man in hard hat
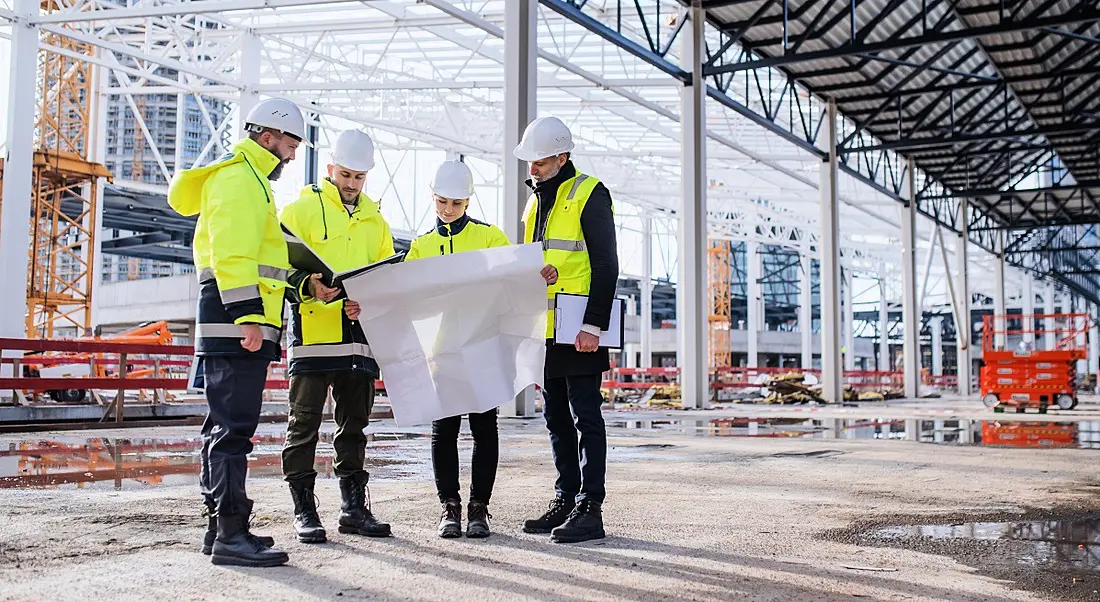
pixel 241 260
pixel 454 232
pixel 570 213
pixel 327 346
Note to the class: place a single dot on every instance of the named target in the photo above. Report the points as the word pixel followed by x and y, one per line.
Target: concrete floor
pixel 690 515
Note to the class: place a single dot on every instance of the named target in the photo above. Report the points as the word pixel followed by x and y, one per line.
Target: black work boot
pixel 554 516
pixel 306 522
pixel 355 514
pixel 450 524
pixel 584 523
pixel 212 530
pixel 236 546
pixel 477 520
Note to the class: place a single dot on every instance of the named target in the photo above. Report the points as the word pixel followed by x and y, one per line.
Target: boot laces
pixel 580 509
pixel 479 512
pixel 452 511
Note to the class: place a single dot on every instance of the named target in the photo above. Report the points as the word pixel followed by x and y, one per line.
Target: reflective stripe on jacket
pixel 239 250
pixel 563 240
pixel 322 338
pixel 463 234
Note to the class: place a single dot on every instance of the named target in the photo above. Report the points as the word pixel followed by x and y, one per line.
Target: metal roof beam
pixel 1082 14
pixel 1008 194
pixel 897 145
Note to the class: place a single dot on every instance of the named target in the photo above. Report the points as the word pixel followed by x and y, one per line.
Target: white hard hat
pixel 453 180
pixel 354 150
pixel 544 137
pixel 278 114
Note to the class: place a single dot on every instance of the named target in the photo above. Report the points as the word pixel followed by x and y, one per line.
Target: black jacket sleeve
pixel 598 225
pixel 295 289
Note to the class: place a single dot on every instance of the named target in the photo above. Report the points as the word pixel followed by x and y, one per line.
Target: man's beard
pixel 546 178
pixel 349 197
pixel 278 171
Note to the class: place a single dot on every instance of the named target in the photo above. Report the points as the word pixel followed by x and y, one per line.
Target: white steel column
pixel 1049 308
pixel 15 211
pixel 755 302
pixel 1094 343
pixel 999 339
pixel 647 292
pixel 1028 308
pixel 1080 325
pixel 831 381
pixel 884 364
pixel 692 277
pixel 849 322
pixel 520 79
pixel 911 313
pixel 935 325
pixel 251 50
pixel 964 330
pixel 181 122
pixel 98 146
pixel 806 310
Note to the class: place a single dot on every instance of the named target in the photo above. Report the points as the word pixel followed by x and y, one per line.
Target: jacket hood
pixel 185 190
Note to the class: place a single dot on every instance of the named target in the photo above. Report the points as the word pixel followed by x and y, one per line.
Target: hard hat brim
pixel 363 167
pixel 525 155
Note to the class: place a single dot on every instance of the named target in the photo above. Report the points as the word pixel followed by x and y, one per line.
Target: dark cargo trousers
pixel 234 393
pixel 353 392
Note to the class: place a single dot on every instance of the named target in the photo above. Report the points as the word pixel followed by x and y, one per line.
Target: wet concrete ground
pixel 718 505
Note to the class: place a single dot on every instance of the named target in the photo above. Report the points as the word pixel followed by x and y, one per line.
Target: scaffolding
pixel 720 275
pixel 64 189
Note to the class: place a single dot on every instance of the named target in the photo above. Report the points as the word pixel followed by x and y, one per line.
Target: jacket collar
pixel 551 186
pixel 364 206
pixel 454 227
pixel 261 159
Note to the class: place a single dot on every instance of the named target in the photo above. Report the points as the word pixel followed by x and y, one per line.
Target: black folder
pixel 303 258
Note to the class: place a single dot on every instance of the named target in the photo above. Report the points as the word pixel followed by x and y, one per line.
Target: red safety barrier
pixel 168 371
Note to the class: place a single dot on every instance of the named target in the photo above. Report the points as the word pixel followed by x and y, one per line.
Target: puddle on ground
pixel 131 462
pixel 1072 544
pixel 1085 434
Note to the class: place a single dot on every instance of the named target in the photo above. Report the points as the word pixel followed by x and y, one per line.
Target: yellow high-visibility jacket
pixel 239 249
pixel 322 338
pixel 563 240
pixel 463 234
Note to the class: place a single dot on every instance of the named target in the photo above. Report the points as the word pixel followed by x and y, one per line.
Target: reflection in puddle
pixel 1069 543
pixel 133 462
pixel 957 432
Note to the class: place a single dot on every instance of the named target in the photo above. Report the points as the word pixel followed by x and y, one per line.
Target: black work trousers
pixel 572 406
pixel 353 393
pixel 483 467
pixel 234 393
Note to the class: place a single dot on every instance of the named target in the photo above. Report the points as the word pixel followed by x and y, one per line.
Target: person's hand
pixel 351 309
pixel 253 337
pixel 319 291
pixel 586 342
pixel 549 274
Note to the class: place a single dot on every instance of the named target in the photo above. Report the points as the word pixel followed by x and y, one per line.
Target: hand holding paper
pixel 458 333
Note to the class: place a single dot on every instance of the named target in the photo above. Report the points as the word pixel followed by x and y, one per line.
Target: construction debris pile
pixel 791 388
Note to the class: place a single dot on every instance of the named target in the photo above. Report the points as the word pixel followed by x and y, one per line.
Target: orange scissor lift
pixel 1031 359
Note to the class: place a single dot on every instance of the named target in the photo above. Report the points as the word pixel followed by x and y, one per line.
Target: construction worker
pixel 570 213
pixel 327 346
pixel 454 232
pixel 241 260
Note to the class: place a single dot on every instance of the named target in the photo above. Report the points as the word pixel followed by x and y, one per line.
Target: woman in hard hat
pixel 455 232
